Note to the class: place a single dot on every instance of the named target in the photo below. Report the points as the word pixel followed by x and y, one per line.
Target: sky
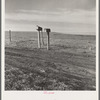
pixel 60 15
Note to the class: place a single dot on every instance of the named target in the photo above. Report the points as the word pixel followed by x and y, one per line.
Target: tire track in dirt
pixel 72 80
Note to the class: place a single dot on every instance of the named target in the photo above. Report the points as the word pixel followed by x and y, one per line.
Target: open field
pixel 70 64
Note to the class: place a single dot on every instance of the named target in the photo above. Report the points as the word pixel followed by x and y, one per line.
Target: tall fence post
pixel 42 38
pixel 48 38
pixel 48 41
pixel 10 35
pixel 39 42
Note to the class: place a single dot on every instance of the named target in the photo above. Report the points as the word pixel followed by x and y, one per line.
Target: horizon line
pixel 70 33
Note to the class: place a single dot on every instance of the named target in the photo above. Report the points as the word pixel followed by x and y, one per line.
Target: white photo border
pixel 38 95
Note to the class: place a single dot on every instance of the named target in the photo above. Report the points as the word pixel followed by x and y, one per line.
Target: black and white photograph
pixel 50 45
pixel 49 50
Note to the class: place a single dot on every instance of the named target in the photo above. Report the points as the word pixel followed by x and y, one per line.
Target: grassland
pixel 68 65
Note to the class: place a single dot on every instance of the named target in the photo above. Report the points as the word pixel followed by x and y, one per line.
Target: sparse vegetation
pixel 68 65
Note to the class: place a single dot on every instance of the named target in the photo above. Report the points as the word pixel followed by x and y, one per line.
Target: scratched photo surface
pixel 50 45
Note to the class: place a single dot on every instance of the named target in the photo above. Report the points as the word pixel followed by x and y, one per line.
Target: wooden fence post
pixel 42 38
pixel 10 35
pixel 48 37
pixel 39 42
pixel 48 41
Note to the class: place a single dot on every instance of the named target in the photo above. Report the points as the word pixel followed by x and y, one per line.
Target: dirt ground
pixel 68 65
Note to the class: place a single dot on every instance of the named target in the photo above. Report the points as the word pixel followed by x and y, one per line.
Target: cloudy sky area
pixel 60 15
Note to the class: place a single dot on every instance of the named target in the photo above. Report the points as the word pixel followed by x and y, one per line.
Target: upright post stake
pixel 48 38
pixel 10 35
pixel 39 42
pixel 42 38
pixel 48 41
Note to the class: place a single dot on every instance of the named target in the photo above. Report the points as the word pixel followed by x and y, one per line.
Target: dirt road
pixel 39 69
